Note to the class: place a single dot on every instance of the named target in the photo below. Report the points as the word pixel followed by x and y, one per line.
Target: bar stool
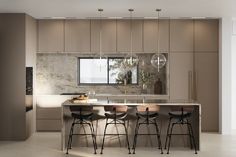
pixel 115 114
pixel 82 115
pixel 147 114
pixel 181 116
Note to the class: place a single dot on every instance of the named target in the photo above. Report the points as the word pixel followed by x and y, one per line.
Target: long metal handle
pixel 190 85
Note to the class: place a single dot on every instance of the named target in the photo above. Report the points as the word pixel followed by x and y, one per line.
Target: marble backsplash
pixel 56 73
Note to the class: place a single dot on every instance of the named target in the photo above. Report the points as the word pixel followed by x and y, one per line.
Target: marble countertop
pixel 95 102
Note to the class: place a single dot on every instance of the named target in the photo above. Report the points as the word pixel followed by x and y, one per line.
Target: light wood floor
pixel 48 145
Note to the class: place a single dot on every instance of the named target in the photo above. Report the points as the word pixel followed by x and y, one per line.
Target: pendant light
pixel 131 59
pixel 158 59
pixel 100 56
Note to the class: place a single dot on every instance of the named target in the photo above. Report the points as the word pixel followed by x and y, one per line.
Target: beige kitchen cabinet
pixel 181 35
pixel 207 87
pixel 123 35
pixel 181 75
pixel 48 119
pixel 150 36
pixel 77 36
pixel 50 35
pixel 108 36
pixel 206 34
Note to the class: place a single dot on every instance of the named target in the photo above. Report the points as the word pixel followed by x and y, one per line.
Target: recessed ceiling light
pixel 58 17
pixel 198 17
pixel 151 17
pixel 115 17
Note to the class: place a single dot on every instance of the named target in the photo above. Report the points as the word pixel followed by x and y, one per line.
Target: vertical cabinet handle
pixel 192 85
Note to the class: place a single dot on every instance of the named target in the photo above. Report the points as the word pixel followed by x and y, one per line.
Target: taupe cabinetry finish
pixel 181 75
pixel 77 35
pixel 206 35
pixel 206 67
pixel 150 35
pixel 181 36
pixel 48 119
pixel 123 35
pixel 50 35
pixel 108 38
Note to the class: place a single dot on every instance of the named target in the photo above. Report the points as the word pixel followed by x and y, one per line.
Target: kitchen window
pixel 108 71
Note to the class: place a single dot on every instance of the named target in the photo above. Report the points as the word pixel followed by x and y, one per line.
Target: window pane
pixel 117 74
pixel 93 70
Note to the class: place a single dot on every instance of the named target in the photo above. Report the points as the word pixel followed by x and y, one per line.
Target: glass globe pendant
pixel 158 60
pixel 131 60
pixel 100 58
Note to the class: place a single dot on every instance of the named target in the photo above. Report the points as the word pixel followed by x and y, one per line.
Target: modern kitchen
pixel 126 81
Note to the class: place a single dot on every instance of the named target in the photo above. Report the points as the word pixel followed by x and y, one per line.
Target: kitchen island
pixel 144 141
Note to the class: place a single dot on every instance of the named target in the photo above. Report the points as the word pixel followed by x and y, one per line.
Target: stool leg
pixel 135 135
pixel 70 138
pixel 194 143
pixel 127 138
pixel 95 134
pixel 103 140
pixel 158 136
pixel 81 123
pixel 168 149
pixel 190 137
pixel 92 133
pixel 168 129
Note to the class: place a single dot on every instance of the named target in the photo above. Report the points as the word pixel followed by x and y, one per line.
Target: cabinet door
pixel 206 35
pixel 181 72
pixel 108 35
pixel 123 35
pixel 150 35
pixel 50 35
pixel 77 35
pixel 181 35
pixel 207 80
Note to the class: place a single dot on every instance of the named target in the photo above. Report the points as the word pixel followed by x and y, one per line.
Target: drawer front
pixel 48 113
pixel 48 125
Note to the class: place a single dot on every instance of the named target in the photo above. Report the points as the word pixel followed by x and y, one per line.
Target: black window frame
pixel 108 76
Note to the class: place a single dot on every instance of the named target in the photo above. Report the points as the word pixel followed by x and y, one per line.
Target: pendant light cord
pixel 131 32
pixel 158 37
pixel 100 33
pixel 158 29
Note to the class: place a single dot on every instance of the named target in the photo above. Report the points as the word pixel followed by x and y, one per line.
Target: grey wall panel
pixel 13 76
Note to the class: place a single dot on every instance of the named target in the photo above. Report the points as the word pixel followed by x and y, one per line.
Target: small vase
pixel 144 88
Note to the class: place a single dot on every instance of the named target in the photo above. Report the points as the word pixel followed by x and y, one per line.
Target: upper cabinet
pixel 206 35
pixel 123 35
pixel 150 35
pixel 181 35
pixel 108 35
pixel 50 35
pixel 77 35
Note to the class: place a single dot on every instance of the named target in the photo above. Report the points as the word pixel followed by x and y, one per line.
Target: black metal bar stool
pixel 115 114
pixel 180 116
pixel 146 115
pixel 82 115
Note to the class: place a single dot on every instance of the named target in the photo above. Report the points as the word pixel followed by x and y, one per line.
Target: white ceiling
pixel 119 8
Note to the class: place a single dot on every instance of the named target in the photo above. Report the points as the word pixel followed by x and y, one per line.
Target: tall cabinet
pixel 206 41
pixel 194 66
pixel 181 59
